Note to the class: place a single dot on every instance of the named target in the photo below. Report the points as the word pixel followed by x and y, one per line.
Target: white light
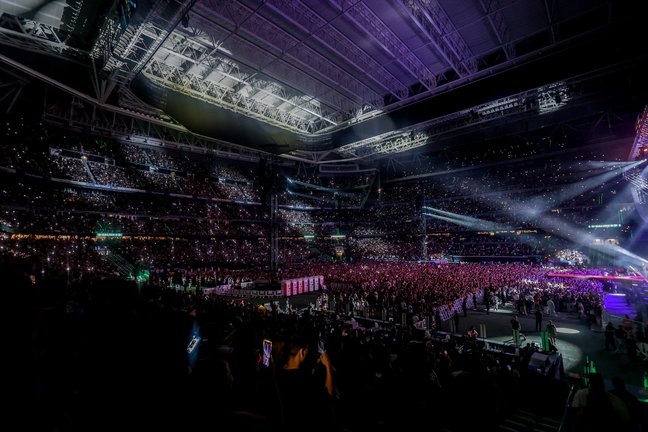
pixel 566 330
pixel 225 50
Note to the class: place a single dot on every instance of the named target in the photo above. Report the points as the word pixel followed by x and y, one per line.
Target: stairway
pixel 89 171
pixel 148 159
pixel 615 304
pixel 524 421
pixel 124 268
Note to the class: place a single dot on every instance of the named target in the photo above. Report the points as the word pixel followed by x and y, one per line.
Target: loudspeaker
pixel 539 361
pixel 546 364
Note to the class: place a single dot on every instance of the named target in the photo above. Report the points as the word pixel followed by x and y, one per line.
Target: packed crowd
pixel 381 378
pixel 77 254
pixel 81 214
pixel 365 377
pixel 193 199
pixel 571 256
pixel 420 288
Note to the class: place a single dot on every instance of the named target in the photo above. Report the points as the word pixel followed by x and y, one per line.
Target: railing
pixel 566 411
pixel 124 268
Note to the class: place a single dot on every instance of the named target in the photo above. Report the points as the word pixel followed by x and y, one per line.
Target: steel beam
pixel 499 26
pixel 550 11
pixel 205 64
pixel 9 94
pixel 312 23
pixel 365 19
pixel 240 19
pixel 91 114
pixel 33 36
pixel 80 114
pixel 281 71
pixel 203 78
pixel 422 133
pixel 137 45
pixel 434 23
pixel 537 101
pixel 394 143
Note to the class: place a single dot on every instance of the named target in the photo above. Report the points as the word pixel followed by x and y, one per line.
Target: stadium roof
pixel 353 78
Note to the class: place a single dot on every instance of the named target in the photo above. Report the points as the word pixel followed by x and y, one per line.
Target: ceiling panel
pixel 321 68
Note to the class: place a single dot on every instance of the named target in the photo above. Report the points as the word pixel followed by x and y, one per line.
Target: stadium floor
pixel 576 339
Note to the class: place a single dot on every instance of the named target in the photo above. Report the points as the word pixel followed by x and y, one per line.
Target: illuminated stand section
pixel 637 177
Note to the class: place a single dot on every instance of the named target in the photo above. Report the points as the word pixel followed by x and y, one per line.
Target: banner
pixel 448 310
pixel 291 287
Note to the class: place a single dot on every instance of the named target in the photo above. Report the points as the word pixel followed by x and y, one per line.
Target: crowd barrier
pixel 447 311
pixel 227 290
pixel 289 287
pixel 219 290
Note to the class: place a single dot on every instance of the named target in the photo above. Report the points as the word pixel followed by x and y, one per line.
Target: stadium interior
pixel 339 215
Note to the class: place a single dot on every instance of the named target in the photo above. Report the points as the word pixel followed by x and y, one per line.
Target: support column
pixel 274 233
pixel 424 248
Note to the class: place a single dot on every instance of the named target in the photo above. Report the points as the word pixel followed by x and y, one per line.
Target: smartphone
pixel 193 343
pixel 320 346
pixel 267 352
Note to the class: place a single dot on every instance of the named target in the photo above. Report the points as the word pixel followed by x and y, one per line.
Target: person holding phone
pixel 267 352
pixel 305 395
